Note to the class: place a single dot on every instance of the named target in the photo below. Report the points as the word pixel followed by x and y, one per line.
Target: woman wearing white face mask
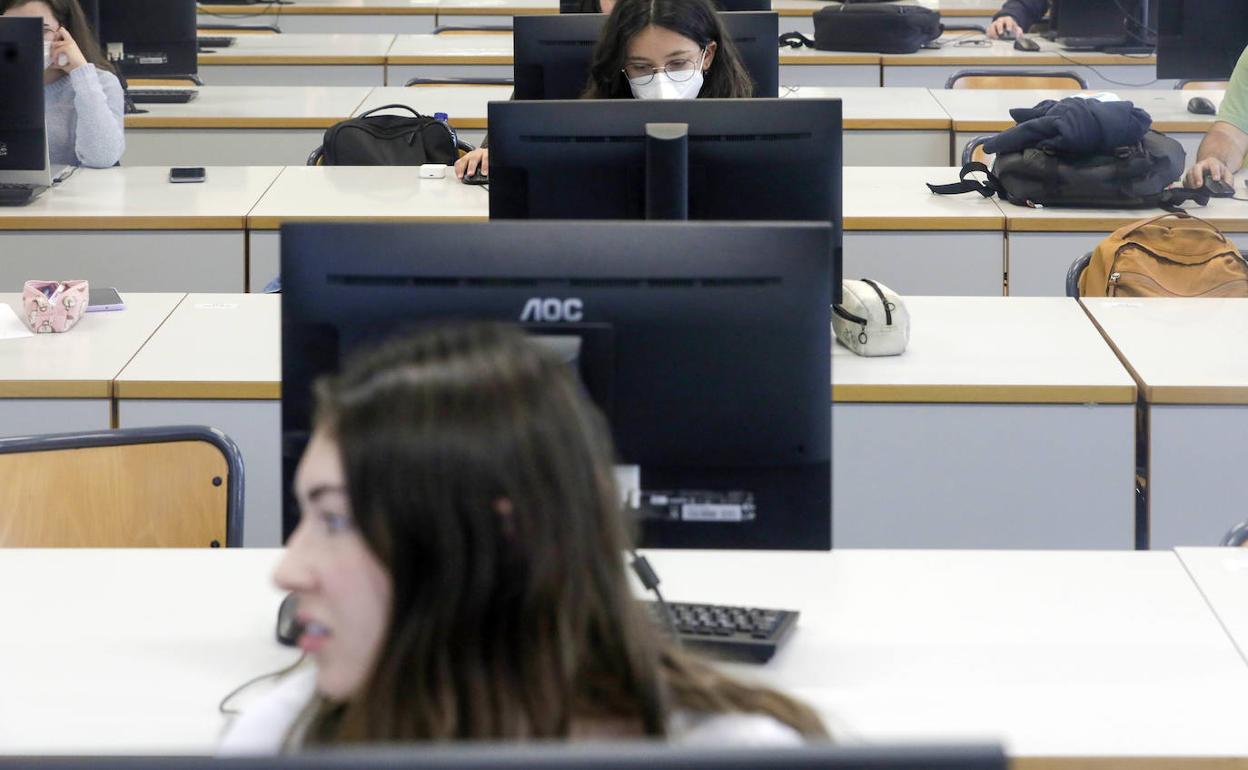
pixel 656 49
pixel 83 99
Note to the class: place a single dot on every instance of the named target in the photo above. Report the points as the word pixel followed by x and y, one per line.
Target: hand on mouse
pixel 1005 25
pixel 471 162
pixel 1216 168
pixel 65 53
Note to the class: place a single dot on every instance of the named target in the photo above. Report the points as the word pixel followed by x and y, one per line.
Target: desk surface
pixel 142 198
pixel 214 346
pixel 366 193
pixel 989 350
pixel 83 362
pixel 1001 53
pixel 896 198
pixel 879 108
pixel 989 110
pixel 1221 574
pixel 1058 654
pixel 1181 351
pixel 255 107
pixel 303 48
pixel 328 8
pixel 464 105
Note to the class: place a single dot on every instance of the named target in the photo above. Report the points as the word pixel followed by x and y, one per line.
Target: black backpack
pixel 387 140
pixel 1138 176
pixel 870 28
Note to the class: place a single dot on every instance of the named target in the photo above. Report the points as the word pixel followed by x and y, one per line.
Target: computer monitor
pixel 23 136
pixel 1200 39
pixel 706 345
pixel 150 38
pixel 747 159
pixel 556 756
pixel 592 6
pixel 553 53
pixel 1107 25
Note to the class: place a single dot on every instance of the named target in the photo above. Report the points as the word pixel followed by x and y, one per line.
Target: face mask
pixel 663 87
pixel 47 54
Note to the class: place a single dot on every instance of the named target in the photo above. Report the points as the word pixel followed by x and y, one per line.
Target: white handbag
pixel 871 319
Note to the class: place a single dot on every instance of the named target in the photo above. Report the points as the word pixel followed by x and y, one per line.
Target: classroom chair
pixel 1015 79
pixel 1072 275
pixel 1200 85
pixel 484 29
pixel 239 29
pixel 974 151
pixel 1237 537
pixel 167 487
pixel 459 81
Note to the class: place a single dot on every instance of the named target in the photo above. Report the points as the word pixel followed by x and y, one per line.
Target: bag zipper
pixel 888 306
pixel 1115 280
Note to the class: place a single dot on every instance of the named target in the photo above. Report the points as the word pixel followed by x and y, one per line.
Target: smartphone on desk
pixel 186 174
pixel 104 299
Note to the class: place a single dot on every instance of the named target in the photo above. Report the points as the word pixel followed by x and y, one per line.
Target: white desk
pixel 329 16
pixel 129 227
pixel 1187 355
pixel 1069 658
pixel 977 112
pixel 299 60
pixel 897 232
pixel 931 68
pixel 354 193
pixel 472 13
pixel 964 441
pixel 1221 574
pixel 55 383
pixel 239 125
pixel 886 126
pixel 1042 243
pixel 217 361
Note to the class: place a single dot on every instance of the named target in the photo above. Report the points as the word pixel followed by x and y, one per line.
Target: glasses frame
pixel 654 72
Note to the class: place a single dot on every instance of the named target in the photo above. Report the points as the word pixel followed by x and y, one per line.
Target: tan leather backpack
pixel 1172 255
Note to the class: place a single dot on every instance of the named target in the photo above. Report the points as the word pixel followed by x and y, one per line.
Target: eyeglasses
pixel 49 33
pixel 679 70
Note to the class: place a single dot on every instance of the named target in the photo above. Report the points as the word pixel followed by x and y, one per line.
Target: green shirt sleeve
pixel 1234 109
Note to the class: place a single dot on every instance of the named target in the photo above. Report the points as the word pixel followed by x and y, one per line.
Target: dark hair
pixel 481 476
pixel 68 14
pixel 695 19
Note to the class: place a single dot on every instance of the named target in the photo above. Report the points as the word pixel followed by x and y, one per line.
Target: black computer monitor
pixel 1200 39
pixel 553 53
pixel 23 138
pixel 150 38
pixel 1107 25
pixel 707 346
pixel 572 756
pixel 747 159
pixel 592 6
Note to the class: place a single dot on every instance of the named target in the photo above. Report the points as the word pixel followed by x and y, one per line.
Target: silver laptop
pixel 24 168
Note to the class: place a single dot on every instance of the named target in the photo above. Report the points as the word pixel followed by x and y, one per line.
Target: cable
pixel 256 680
pixel 650 579
pixel 1107 79
pixel 1138 22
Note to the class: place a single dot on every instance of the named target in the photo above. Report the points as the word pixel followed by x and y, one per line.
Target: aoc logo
pixel 552 310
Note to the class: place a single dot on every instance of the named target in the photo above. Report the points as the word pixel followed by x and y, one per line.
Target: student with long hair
pixel 656 49
pixel 458 568
pixel 83 99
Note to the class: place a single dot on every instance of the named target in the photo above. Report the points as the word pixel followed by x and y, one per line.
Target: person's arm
pixel 1017 16
pixel 1221 152
pixel 100 123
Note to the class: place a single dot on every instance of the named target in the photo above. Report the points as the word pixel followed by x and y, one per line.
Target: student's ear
pixel 711 47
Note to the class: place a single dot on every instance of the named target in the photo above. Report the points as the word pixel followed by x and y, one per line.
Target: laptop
pixel 25 171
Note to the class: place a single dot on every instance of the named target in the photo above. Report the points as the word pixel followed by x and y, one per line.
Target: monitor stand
pixel 667 171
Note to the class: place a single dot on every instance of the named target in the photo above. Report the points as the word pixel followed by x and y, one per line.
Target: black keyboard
pixel 162 95
pixel 1090 43
pixel 210 41
pixel 743 634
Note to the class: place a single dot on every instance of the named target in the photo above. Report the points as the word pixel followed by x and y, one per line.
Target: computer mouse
pixel 1199 105
pixel 1217 188
pixel 288 629
pixel 477 178
pixel 1026 44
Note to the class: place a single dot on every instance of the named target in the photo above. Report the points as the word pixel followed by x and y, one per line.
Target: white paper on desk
pixel 11 327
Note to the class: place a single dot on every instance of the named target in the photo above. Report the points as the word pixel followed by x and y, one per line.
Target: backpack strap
pixel 796 40
pixel 1178 214
pixel 987 189
pixel 375 110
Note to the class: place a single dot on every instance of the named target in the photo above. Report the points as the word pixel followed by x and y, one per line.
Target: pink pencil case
pixel 54 306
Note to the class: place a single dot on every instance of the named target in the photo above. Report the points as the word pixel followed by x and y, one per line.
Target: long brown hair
pixel 68 14
pixel 481 476
pixel 696 20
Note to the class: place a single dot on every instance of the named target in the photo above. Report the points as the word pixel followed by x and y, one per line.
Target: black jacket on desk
pixel 1025 12
pixel 1073 125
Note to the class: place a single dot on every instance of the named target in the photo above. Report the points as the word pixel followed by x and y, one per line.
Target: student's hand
pixel 469 163
pixel 1217 169
pixel 63 44
pixel 1005 25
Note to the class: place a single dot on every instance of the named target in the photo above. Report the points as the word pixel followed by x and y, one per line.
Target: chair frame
pixel 1237 536
pixel 1072 275
pixel 955 77
pixel 235 482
